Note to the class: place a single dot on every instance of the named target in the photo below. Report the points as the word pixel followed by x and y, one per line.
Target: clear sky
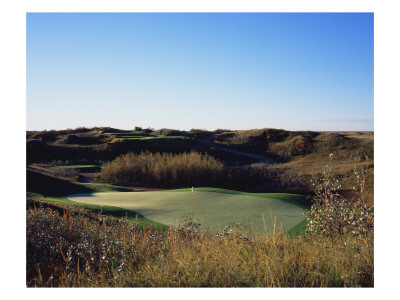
pixel 295 71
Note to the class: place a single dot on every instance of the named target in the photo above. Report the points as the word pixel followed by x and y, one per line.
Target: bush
pixel 332 216
pixel 190 227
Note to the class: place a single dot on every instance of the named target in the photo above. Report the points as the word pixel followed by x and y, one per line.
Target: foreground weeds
pixel 69 250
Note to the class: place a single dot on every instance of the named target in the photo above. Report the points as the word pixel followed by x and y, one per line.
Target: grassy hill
pixel 299 155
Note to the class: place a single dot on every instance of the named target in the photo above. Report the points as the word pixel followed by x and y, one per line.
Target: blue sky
pixel 190 70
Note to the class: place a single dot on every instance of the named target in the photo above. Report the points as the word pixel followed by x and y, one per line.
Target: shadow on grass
pixel 39 185
pixel 127 215
pixel 49 186
pixel 299 229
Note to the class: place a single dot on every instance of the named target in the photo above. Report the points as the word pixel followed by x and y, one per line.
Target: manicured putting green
pixel 213 209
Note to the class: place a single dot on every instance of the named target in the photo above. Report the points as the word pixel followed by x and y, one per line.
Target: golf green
pixel 213 209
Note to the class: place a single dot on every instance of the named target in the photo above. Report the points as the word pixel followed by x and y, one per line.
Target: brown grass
pixel 155 169
pixel 71 250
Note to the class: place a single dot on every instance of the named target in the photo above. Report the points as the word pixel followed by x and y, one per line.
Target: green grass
pixel 290 198
pixel 151 137
pixel 214 208
pixel 299 229
pixel 138 135
pixel 55 190
pixel 119 131
pixel 73 167
pixel 55 187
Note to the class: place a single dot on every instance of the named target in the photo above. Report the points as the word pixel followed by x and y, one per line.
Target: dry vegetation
pixel 299 154
pixel 157 169
pixel 70 249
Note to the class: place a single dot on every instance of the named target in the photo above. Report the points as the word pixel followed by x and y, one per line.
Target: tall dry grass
pixel 71 250
pixel 166 169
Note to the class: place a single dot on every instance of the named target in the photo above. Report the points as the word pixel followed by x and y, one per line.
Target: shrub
pixel 190 227
pixel 331 215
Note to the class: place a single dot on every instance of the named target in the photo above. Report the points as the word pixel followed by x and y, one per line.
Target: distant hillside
pixel 105 143
pixel 285 145
pixel 263 159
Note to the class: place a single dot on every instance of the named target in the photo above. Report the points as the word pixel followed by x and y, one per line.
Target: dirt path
pixel 260 158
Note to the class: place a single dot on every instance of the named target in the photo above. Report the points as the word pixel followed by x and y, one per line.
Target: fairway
pixel 214 209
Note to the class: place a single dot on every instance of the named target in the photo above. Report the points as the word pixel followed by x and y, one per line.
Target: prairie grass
pixel 72 250
pixel 166 169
